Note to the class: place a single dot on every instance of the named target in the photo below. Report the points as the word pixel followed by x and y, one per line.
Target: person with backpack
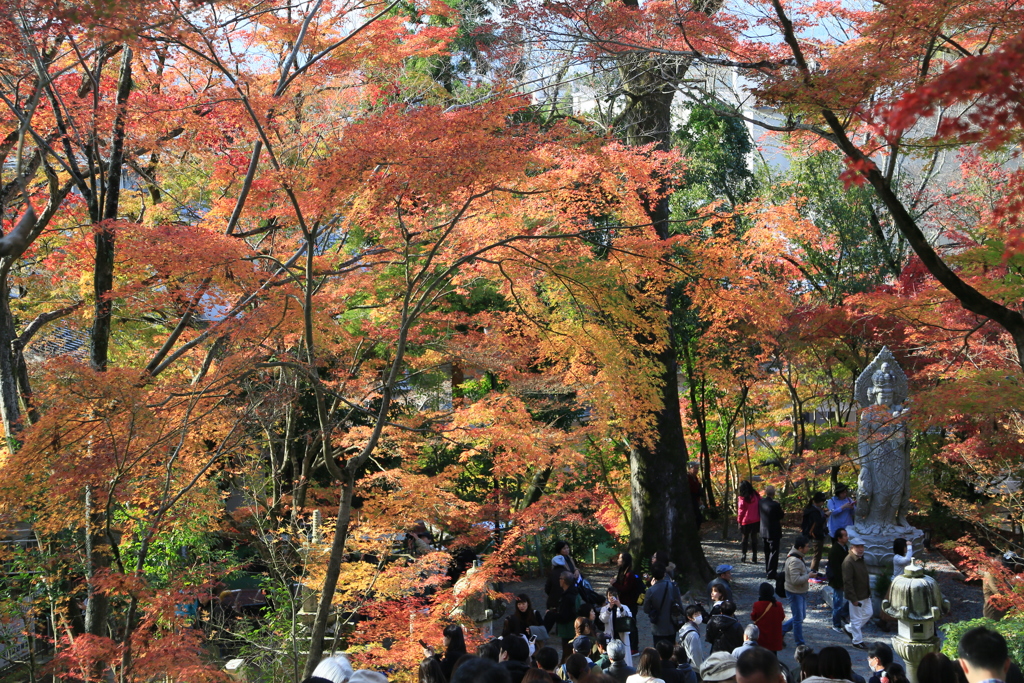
pixel 689 636
pixel 662 596
pixel 725 633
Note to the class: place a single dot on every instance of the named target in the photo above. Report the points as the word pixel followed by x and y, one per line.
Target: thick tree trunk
pixel 662 514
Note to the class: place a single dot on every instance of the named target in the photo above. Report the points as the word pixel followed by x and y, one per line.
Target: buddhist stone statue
pixel 883 485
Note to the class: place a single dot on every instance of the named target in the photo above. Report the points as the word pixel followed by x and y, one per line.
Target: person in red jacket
pixel 768 614
pixel 748 515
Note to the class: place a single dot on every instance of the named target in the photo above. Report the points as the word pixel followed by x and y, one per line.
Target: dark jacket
pixel 658 606
pixel 565 619
pixel 630 588
pixel 689 675
pixel 725 633
pixel 516 670
pixel 669 672
pixel 814 523
pixel 619 671
pixel 519 624
pixel 836 555
pixel 451 655
pixel 855 579
pixel 553 588
pixel 771 518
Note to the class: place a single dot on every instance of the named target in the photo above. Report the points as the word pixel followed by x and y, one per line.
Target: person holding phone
pixel 612 612
pixel 522 618
pixel 454 648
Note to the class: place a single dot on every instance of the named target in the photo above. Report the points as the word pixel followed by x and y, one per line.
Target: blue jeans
pixel 840 607
pixel 798 611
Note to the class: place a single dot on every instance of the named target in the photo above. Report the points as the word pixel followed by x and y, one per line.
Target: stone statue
pixel 883 485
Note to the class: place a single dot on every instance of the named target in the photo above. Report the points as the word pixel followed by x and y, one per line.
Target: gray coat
pixel 658 606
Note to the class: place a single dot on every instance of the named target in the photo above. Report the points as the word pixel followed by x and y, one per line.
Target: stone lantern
pixel 916 602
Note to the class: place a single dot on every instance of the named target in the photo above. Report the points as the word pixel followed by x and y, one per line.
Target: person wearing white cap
pixel 334 669
pixel 553 588
pixel 857 590
pixel 367 676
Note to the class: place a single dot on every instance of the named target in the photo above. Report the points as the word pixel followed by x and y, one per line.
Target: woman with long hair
pixel 768 615
pixel 535 675
pixel 648 669
pixel 630 587
pixel 834 664
pixel 748 515
pixel 522 618
pixel 454 648
pixel 430 671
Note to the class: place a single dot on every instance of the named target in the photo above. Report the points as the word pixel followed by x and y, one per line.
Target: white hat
pixel 335 669
pixel 856 540
pixel 367 676
pixel 559 560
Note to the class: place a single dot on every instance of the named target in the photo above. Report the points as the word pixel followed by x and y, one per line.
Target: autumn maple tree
pixel 261 243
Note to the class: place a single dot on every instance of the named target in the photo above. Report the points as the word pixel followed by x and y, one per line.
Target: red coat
pixel 629 589
pixel 768 616
pixel 749 510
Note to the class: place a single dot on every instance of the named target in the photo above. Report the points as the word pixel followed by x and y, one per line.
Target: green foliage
pixel 1012 629
pixel 858 253
pixel 184 552
pixel 717 151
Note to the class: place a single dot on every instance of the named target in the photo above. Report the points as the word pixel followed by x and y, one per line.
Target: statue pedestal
pixel 878 540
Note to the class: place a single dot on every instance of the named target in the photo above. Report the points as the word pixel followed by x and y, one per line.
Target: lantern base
pixel 913 651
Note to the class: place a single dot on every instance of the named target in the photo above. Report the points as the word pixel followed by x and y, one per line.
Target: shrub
pixel 1012 629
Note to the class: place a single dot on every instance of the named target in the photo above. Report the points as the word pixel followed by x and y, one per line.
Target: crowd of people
pixel 982 657
pixel 584 636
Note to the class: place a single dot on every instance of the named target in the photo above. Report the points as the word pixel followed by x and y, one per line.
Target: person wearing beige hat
pixel 857 590
pixel 719 667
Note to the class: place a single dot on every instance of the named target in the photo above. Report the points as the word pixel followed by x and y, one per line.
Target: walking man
pixel 771 531
pixel 836 556
pixel 858 591
pixel 797 575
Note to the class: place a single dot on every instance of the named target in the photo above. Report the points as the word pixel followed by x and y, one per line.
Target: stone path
pixel 967 600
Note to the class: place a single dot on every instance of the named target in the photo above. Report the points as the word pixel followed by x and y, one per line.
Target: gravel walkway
pixel 966 600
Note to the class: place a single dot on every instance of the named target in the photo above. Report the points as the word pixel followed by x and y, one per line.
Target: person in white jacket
pixel 689 637
pixel 612 609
